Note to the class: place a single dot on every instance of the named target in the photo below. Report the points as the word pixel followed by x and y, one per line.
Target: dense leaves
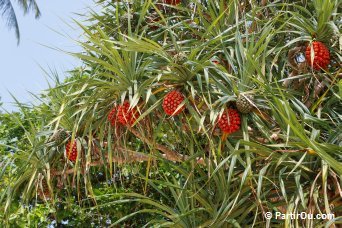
pixel 281 155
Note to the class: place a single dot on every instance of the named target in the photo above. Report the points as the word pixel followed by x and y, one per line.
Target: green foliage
pixel 12 131
pixel 182 171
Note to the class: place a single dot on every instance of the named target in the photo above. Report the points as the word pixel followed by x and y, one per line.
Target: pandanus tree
pixel 8 13
pixel 220 111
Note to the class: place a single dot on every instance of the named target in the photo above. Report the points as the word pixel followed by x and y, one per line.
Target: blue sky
pixel 20 65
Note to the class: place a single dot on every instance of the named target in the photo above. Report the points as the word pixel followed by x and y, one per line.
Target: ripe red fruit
pixel 71 151
pixel 112 118
pixel 171 102
pixel 125 115
pixel 229 121
pixel 172 2
pixel 321 56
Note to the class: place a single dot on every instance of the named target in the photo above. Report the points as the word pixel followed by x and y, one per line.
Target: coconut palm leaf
pixel 8 13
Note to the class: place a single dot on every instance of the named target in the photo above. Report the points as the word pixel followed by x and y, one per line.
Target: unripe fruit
pixel 243 104
pixel 60 136
pixel 180 58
